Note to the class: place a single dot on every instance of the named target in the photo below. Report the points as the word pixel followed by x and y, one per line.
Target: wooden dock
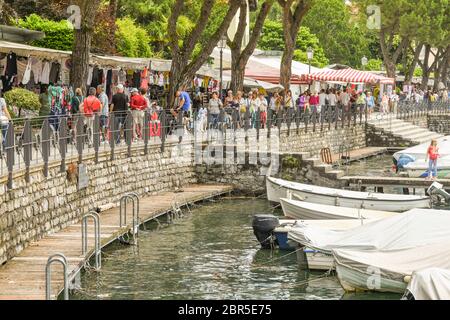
pixel 23 277
pixel 359 154
pixel 405 182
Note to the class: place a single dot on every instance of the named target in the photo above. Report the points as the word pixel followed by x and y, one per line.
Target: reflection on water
pixel 211 254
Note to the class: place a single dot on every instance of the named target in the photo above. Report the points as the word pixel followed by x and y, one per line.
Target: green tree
pixel 272 39
pixel 132 40
pixel 58 34
pixel 344 39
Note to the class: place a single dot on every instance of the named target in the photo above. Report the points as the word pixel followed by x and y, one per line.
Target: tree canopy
pixel 272 39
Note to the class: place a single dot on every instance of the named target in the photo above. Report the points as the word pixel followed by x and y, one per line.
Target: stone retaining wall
pixel 439 123
pixel 45 205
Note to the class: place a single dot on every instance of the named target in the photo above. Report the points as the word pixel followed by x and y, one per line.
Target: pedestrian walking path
pixel 403 129
pixel 23 277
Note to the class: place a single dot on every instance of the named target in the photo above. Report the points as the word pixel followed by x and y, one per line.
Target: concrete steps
pixel 404 130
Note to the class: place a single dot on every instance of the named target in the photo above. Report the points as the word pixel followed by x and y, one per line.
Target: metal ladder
pixel 84 223
pixel 58 257
pixel 123 209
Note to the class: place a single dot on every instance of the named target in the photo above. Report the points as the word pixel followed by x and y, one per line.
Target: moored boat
pixel 387 270
pixel 279 188
pixel 429 284
pixel 303 210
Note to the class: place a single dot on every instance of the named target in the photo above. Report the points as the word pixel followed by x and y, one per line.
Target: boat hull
pixel 275 192
pixel 356 281
pixel 303 210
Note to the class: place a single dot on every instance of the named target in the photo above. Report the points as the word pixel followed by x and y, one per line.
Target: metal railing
pixel 37 142
pixel 123 215
pixel 60 258
pixel 84 241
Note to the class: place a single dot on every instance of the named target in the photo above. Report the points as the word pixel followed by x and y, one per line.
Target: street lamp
pixel 221 45
pixel 364 62
pixel 310 55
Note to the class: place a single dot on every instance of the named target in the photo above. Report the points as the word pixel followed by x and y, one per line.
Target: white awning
pixel 25 50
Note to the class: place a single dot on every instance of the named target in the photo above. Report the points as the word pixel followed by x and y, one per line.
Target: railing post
pixel 80 137
pixel 48 276
pixel 63 132
pixel 45 145
pixel 10 155
pixel 112 134
pixel 163 128
pixel 27 148
pixel 128 131
pixel 84 242
pixel 96 135
pixel 146 130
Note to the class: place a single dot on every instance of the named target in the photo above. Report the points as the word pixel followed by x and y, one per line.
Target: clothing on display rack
pixel 136 79
pixel 122 76
pixel 11 64
pixel 109 80
pixel 27 74
pixel 54 72
pixel 36 68
pixel 90 74
pixel 144 78
pixel 95 77
pixel 45 75
pixel 21 68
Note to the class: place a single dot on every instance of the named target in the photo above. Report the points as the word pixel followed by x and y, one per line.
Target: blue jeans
pixel 432 167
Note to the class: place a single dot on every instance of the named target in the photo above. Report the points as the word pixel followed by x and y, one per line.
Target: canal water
pixel 209 254
pixel 212 253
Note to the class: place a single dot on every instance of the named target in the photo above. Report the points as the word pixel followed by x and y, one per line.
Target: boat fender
pixel 407 279
pixel 337 203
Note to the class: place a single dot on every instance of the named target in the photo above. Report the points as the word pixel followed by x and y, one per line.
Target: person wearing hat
pixel 138 105
pixel 119 105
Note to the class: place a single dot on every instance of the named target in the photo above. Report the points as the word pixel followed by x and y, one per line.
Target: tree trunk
pixel 425 68
pixel 445 68
pixel 112 25
pixel 183 67
pixel 390 59
pixel 286 64
pixel 82 43
pixel 237 78
pixel 239 58
pixel 291 26
pixel 410 72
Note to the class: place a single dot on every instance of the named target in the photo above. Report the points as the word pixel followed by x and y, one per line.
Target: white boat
pixel 309 211
pixel 419 167
pixel 387 270
pixel 430 284
pixel 318 260
pixel 411 229
pixel 279 188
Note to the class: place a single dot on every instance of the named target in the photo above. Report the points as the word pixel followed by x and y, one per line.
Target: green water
pixel 211 254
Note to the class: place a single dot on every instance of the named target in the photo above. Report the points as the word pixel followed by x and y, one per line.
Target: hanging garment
pixel 21 67
pixel 144 78
pixel 122 76
pixel 95 78
pixel 108 82
pixel 11 64
pixel 54 72
pixel 36 67
pixel 3 66
pixel 115 77
pixel 136 79
pixel 45 75
pixel 27 73
pixel 161 79
pixel 90 74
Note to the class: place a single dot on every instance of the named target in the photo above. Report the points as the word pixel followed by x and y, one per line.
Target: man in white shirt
pixel 322 100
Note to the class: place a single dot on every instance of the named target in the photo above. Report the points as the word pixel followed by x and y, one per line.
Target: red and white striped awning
pixel 348 75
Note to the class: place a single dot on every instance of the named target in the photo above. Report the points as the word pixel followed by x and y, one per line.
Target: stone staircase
pixel 403 130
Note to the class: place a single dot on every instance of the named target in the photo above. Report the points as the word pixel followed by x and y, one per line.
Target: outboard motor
pixel 436 190
pixel 263 226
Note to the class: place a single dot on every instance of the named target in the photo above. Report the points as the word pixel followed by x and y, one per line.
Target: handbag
pixel 4 120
